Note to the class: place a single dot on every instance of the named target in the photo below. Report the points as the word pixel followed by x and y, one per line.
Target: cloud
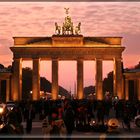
pixel 37 8
pixel 98 19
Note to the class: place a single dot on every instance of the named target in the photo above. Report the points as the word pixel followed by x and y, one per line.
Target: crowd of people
pixel 61 117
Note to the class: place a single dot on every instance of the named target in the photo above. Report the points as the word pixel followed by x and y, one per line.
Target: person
pixel 100 113
pixel 69 120
pixel 62 129
pixel 46 127
pixel 30 115
pixel 18 113
pixel 127 116
pixel 12 126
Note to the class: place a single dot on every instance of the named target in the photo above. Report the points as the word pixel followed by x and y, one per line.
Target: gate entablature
pixel 73 40
pixel 67 47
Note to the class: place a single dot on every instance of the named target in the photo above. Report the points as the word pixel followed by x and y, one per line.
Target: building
pixel 66 44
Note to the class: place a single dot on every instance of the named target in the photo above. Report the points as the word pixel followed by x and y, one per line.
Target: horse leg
pixel 71 30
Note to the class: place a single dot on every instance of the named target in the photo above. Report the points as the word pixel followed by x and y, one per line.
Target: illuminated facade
pixel 66 44
pixel 132 84
pixel 66 47
pixel 5 75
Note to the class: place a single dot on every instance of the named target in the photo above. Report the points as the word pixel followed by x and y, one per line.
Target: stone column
pixel 17 80
pixel 55 86
pixel 99 82
pixel 126 89
pixel 80 94
pixel 135 89
pixel 7 90
pixel 0 87
pixel 138 92
pixel 118 79
pixel 36 79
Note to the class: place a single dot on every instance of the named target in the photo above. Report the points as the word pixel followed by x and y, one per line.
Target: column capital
pixel 98 59
pixel 80 59
pixel 126 79
pixel 55 59
pixel 35 58
pixel 17 59
pixel 117 59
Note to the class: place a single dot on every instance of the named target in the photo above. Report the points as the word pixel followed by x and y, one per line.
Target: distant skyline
pixel 97 18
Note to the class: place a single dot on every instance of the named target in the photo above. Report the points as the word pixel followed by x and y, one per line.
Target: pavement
pixel 121 132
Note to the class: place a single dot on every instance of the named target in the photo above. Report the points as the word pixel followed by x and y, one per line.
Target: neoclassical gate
pixel 66 47
pixel 66 44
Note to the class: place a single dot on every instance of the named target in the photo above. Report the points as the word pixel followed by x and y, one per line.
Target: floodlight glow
pixel 1 110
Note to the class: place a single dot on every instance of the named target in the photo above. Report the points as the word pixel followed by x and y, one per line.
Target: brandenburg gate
pixel 66 44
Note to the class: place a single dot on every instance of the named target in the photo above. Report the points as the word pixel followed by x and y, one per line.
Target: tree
pixel 1 66
pixel 108 83
pixel 89 90
pixel 26 82
pixel 137 66
pixel 45 85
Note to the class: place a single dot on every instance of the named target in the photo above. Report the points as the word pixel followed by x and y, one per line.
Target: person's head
pixel 54 115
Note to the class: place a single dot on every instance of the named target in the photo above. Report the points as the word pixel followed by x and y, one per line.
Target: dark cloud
pixel 23 11
pixel 4 13
pixel 37 8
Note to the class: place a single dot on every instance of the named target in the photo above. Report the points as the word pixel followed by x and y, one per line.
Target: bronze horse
pixel 57 29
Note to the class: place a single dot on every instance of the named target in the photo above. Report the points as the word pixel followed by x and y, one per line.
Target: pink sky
pixel 97 18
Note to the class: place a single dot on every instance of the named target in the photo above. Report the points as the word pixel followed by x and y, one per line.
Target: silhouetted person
pixel 30 115
pixel 69 120
pixel 12 126
pixel 100 112
pixel 18 114
pixel 127 116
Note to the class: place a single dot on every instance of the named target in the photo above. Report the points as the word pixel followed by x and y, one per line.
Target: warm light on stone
pixel 80 93
pixel 70 41
pixel 99 83
pixel 7 89
pixel 138 89
pixel 118 79
pixel 135 77
pixel 68 47
pixel 36 79
pixel 126 89
pixel 17 80
pixel 55 86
